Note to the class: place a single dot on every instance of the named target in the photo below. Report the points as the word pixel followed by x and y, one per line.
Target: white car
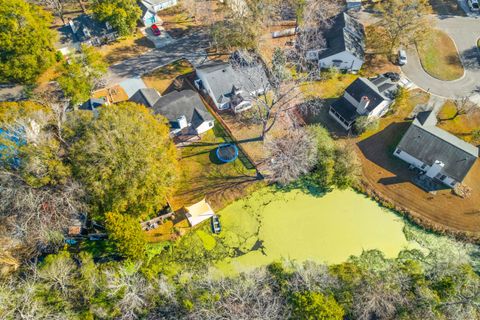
pixel 473 5
pixel 402 57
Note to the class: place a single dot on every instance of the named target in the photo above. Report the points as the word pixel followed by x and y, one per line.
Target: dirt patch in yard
pixel 113 94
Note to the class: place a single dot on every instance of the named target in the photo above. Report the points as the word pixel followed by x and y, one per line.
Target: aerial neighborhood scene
pixel 240 159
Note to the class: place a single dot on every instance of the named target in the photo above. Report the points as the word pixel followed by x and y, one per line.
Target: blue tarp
pixel 7 151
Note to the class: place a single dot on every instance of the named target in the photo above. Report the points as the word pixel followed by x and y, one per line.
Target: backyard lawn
pixel 439 57
pixel 162 78
pixel 328 89
pixel 203 175
pixel 125 48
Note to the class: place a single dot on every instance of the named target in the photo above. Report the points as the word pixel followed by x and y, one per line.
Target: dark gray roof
pixel 363 87
pixel 146 96
pixel 222 78
pixel 345 34
pixel 86 27
pixel 428 143
pixel 183 103
pixel 347 110
pixel 92 104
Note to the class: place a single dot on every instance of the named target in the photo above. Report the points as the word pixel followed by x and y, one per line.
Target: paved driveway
pixel 191 47
pixel 465 32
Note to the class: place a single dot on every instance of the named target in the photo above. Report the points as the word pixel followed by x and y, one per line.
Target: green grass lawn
pixel 328 89
pixel 162 78
pixel 203 175
pixel 439 57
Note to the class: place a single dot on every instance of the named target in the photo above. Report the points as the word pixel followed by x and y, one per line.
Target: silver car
pixel 402 57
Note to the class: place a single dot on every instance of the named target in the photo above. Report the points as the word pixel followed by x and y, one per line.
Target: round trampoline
pixel 227 152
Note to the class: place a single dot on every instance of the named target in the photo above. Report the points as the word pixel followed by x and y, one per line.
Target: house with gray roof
pixel 440 155
pixel 229 87
pixel 151 7
pixel 364 97
pixel 84 29
pixel 185 111
pixel 345 45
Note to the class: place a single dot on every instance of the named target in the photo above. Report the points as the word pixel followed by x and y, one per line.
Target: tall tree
pixel 120 14
pixel 81 74
pixel 126 159
pixel 402 23
pixel 26 42
pixel 347 167
pixel 126 234
pixel 291 155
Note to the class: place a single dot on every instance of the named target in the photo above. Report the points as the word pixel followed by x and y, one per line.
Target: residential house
pixel 440 155
pixel 93 104
pixel 151 7
pixel 364 97
pixel 184 110
pixel 84 29
pixel 345 45
pixel 232 88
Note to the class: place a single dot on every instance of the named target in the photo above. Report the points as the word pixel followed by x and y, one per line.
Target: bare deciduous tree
pixel 33 215
pixel 291 155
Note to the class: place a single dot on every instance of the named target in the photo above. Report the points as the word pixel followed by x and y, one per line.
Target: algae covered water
pixel 273 225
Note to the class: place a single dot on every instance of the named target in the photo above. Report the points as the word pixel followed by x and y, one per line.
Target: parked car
pixel 395 77
pixel 473 5
pixel 156 31
pixel 402 57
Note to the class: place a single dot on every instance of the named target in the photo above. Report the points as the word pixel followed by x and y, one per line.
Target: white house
pixel 231 88
pixel 151 7
pixel 440 155
pixel 184 110
pixel 364 97
pixel 345 45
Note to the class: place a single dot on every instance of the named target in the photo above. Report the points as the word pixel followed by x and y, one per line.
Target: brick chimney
pixel 363 104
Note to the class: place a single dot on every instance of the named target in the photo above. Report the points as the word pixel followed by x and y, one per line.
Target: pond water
pixel 273 225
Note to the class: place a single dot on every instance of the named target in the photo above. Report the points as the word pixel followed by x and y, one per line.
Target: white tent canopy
pixel 199 212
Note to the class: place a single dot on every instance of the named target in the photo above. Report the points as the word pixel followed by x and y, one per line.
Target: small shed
pixel 199 212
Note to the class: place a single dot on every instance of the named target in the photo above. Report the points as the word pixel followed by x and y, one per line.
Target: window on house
pixel 398 151
pixel 423 166
pixel 442 177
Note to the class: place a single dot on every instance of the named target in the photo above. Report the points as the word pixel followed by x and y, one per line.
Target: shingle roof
pixel 428 143
pixel 183 103
pixel 146 96
pixel 86 27
pixel 92 104
pixel 222 77
pixel 346 34
pixel 362 87
pixel 347 110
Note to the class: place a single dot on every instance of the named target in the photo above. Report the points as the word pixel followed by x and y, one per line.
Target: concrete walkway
pixel 465 32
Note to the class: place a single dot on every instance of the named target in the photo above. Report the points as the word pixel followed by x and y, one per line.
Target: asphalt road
pixel 465 31
pixel 191 47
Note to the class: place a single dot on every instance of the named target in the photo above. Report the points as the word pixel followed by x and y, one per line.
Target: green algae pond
pixel 294 225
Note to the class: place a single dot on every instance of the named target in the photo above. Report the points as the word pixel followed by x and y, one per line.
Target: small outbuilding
pixel 199 212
